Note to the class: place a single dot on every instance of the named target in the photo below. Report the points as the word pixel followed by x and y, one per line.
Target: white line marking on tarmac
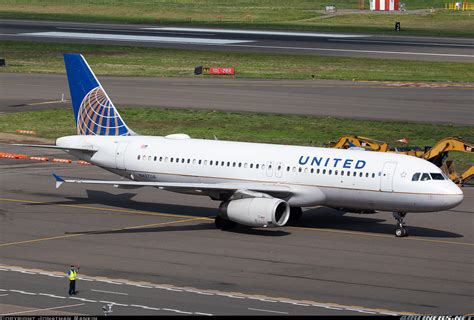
pixel 24 292
pixel 27 272
pixel 140 285
pixel 270 33
pixel 35 310
pixel 3 295
pixel 134 38
pixel 200 292
pixel 114 303
pixel 332 308
pixel 108 281
pixel 389 313
pixel 134 31
pixel 111 292
pixel 203 314
pixel 271 311
pixel 144 307
pixel 194 290
pixel 229 296
pixel 353 50
pixel 260 299
pixel 82 299
pixel 364 311
pixel 51 295
pixel 85 279
pixel 177 311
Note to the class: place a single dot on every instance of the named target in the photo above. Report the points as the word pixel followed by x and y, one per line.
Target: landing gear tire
pixel 224 224
pixel 295 214
pixel 401 230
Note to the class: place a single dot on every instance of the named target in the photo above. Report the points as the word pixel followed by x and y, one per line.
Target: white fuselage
pixel 350 179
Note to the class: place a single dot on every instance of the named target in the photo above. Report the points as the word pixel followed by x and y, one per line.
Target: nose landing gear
pixel 401 230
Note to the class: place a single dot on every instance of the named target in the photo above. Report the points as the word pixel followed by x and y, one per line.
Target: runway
pixel 153 252
pixel 414 102
pixel 317 43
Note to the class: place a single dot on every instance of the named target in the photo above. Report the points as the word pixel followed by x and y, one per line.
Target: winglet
pixel 59 180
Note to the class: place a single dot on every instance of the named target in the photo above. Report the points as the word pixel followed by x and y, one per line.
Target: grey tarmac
pixel 328 263
pixel 396 101
pixel 394 46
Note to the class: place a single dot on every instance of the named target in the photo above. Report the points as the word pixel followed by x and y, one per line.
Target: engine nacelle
pixel 256 212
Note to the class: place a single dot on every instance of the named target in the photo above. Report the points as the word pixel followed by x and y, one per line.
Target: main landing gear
pixel 401 231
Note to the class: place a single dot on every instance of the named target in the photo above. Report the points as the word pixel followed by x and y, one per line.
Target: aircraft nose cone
pixel 454 200
pixel 454 197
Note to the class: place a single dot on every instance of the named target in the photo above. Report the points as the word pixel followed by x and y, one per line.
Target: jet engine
pixel 256 212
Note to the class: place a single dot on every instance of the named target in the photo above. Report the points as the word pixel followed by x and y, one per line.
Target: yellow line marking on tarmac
pixel 358 233
pixel 106 209
pixel 47 309
pixel 210 218
pixel 97 232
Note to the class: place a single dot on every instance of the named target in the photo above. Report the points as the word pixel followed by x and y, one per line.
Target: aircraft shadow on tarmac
pixel 125 201
pixel 317 218
pixel 327 218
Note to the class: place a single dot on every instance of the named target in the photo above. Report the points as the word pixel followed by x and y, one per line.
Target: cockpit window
pixel 425 177
pixel 416 177
pixel 436 176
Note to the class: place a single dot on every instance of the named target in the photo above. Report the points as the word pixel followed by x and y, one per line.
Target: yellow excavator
pixel 351 141
pixel 437 154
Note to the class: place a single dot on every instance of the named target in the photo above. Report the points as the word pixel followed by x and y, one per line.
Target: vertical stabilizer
pixel 94 112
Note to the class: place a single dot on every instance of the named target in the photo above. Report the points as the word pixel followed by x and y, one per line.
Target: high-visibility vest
pixel 72 275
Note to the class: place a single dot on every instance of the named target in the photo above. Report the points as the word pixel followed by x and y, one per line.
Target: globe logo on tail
pixel 98 116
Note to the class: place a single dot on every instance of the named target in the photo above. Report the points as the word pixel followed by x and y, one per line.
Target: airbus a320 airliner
pixel 258 185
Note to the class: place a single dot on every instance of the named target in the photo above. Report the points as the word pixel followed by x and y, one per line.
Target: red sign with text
pixel 221 71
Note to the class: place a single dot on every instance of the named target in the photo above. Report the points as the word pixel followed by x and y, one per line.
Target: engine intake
pixel 256 212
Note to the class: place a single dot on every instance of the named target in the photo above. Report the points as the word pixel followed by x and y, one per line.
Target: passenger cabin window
pixel 425 177
pixel 436 176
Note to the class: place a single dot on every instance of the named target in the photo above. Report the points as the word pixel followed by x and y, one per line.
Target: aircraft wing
pixel 276 190
pixel 47 146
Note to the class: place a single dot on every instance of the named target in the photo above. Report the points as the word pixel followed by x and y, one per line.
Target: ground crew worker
pixel 72 274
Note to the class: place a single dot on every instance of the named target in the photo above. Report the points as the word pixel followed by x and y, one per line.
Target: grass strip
pixel 272 14
pixel 25 56
pixel 252 127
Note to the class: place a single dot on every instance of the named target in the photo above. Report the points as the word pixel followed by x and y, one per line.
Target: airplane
pixel 257 184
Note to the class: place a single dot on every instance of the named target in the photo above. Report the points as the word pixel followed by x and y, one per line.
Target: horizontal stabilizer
pixel 59 180
pixel 89 150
